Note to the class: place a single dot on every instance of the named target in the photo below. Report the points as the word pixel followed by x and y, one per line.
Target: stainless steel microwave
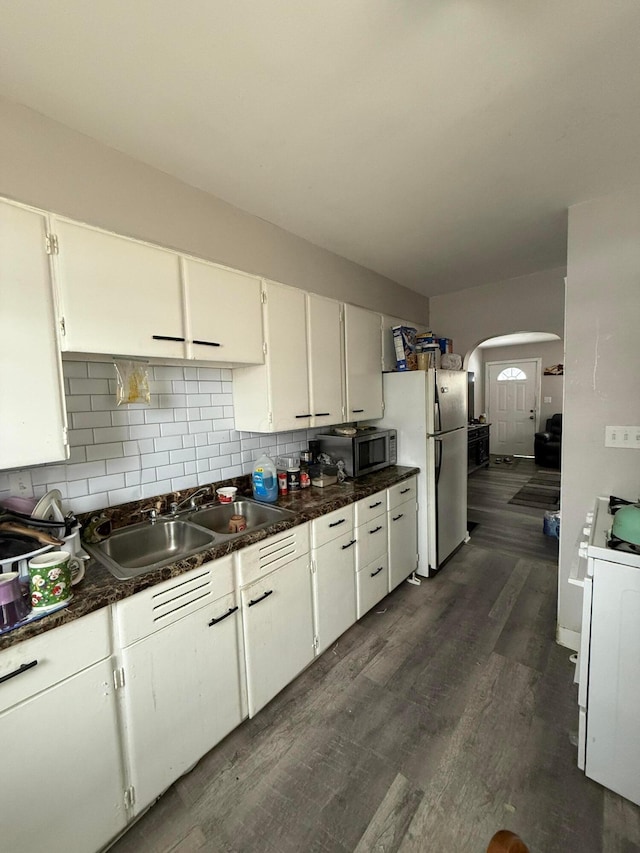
pixel 367 451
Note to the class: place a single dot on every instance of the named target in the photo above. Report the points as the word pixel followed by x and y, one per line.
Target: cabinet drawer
pixel 332 525
pixel 372 584
pixel 259 560
pixel 371 539
pixel 165 603
pixel 53 656
pixel 370 507
pixel 401 492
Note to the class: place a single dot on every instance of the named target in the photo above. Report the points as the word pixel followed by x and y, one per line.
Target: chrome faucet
pixel 174 506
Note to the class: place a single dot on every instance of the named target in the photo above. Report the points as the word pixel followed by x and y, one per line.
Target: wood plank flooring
pixel 446 713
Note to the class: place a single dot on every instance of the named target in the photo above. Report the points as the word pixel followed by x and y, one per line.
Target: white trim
pixel 568 638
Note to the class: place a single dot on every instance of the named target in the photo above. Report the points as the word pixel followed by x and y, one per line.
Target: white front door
pixel 513 392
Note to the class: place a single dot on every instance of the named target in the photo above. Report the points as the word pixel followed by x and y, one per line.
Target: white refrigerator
pixel 429 411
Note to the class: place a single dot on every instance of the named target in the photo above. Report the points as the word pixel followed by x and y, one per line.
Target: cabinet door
pixel 326 360
pixel 32 428
pixel 118 296
pixel 403 542
pixel 287 357
pixel 363 355
pixel 278 630
pixel 224 314
pixel 64 786
pixel 334 589
pixel 183 693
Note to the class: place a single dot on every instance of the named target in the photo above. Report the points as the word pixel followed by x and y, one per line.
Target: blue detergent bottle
pixel 264 479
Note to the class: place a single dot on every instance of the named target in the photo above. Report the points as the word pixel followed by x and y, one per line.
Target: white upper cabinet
pixel 118 296
pixel 33 426
pixel 224 314
pixel 326 360
pixel 275 397
pixel 123 297
pixel 363 355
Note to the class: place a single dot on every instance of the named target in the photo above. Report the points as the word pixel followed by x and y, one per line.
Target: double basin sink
pixel 143 547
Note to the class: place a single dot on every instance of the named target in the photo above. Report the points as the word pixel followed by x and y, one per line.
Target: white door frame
pixel 506 362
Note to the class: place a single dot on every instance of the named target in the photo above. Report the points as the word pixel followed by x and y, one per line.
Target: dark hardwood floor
pixel 447 713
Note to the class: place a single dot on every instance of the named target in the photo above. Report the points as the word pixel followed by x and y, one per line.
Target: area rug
pixel 541 491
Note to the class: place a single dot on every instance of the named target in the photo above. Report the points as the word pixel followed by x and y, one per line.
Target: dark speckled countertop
pixel 99 588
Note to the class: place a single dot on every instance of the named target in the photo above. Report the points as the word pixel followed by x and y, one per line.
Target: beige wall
pixel 531 303
pixel 602 371
pixel 46 164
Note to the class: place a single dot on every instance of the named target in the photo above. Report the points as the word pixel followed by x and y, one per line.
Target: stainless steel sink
pixel 256 514
pixel 134 550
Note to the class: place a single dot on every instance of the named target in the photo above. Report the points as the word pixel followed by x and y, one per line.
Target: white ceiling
pixel 438 142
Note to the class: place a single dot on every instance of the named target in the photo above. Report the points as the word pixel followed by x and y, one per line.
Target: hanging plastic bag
pixel 133 382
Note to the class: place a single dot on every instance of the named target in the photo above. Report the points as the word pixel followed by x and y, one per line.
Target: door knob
pixel 531 417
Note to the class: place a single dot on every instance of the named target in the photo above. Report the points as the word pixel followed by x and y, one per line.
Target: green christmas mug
pixel 51 577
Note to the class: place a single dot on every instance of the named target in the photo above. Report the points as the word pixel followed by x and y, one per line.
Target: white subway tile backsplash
pixel 89 386
pixel 77 369
pixel 125 463
pixel 104 435
pixel 105 484
pixel 174 429
pixel 104 451
pixel 101 370
pixel 78 403
pixel 152 460
pixel 186 437
pixel 145 431
pixel 83 420
pixel 121 496
pixel 186 455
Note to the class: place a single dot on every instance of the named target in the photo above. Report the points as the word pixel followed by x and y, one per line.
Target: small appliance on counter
pixel 363 450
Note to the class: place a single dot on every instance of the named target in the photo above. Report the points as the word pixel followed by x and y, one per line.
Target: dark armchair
pixel 547 444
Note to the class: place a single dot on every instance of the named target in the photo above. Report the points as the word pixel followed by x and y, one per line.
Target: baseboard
pixel 569 639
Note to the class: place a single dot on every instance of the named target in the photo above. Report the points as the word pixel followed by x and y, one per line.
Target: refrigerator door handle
pixel 436 410
pixel 438 447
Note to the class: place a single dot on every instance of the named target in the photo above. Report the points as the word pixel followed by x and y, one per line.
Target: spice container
pixel 305 461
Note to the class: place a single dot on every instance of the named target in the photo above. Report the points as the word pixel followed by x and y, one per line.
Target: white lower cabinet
pixel 402 520
pixel 182 675
pixel 63 786
pixel 371 535
pixel 333 565
pixel 372 583
pixel 277 613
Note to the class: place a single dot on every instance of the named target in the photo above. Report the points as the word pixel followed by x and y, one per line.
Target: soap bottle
pixel 264 479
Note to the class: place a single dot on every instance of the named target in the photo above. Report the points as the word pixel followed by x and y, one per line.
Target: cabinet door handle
pixel 166 338
pixel 303 416
pixel 224 616
pixel 322 414
pixel 373 506
pixel 397 517
pixel 357 410
pixel 377 572
pixel 404 491
pixel 349 544
pixel 19 670
pixel 262 598
pixel 336 523
pixel 375 529
pixel 207 343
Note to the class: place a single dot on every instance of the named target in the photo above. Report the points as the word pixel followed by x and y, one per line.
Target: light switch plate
pixel 622 436
pixel 547 399
pixel 20 484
